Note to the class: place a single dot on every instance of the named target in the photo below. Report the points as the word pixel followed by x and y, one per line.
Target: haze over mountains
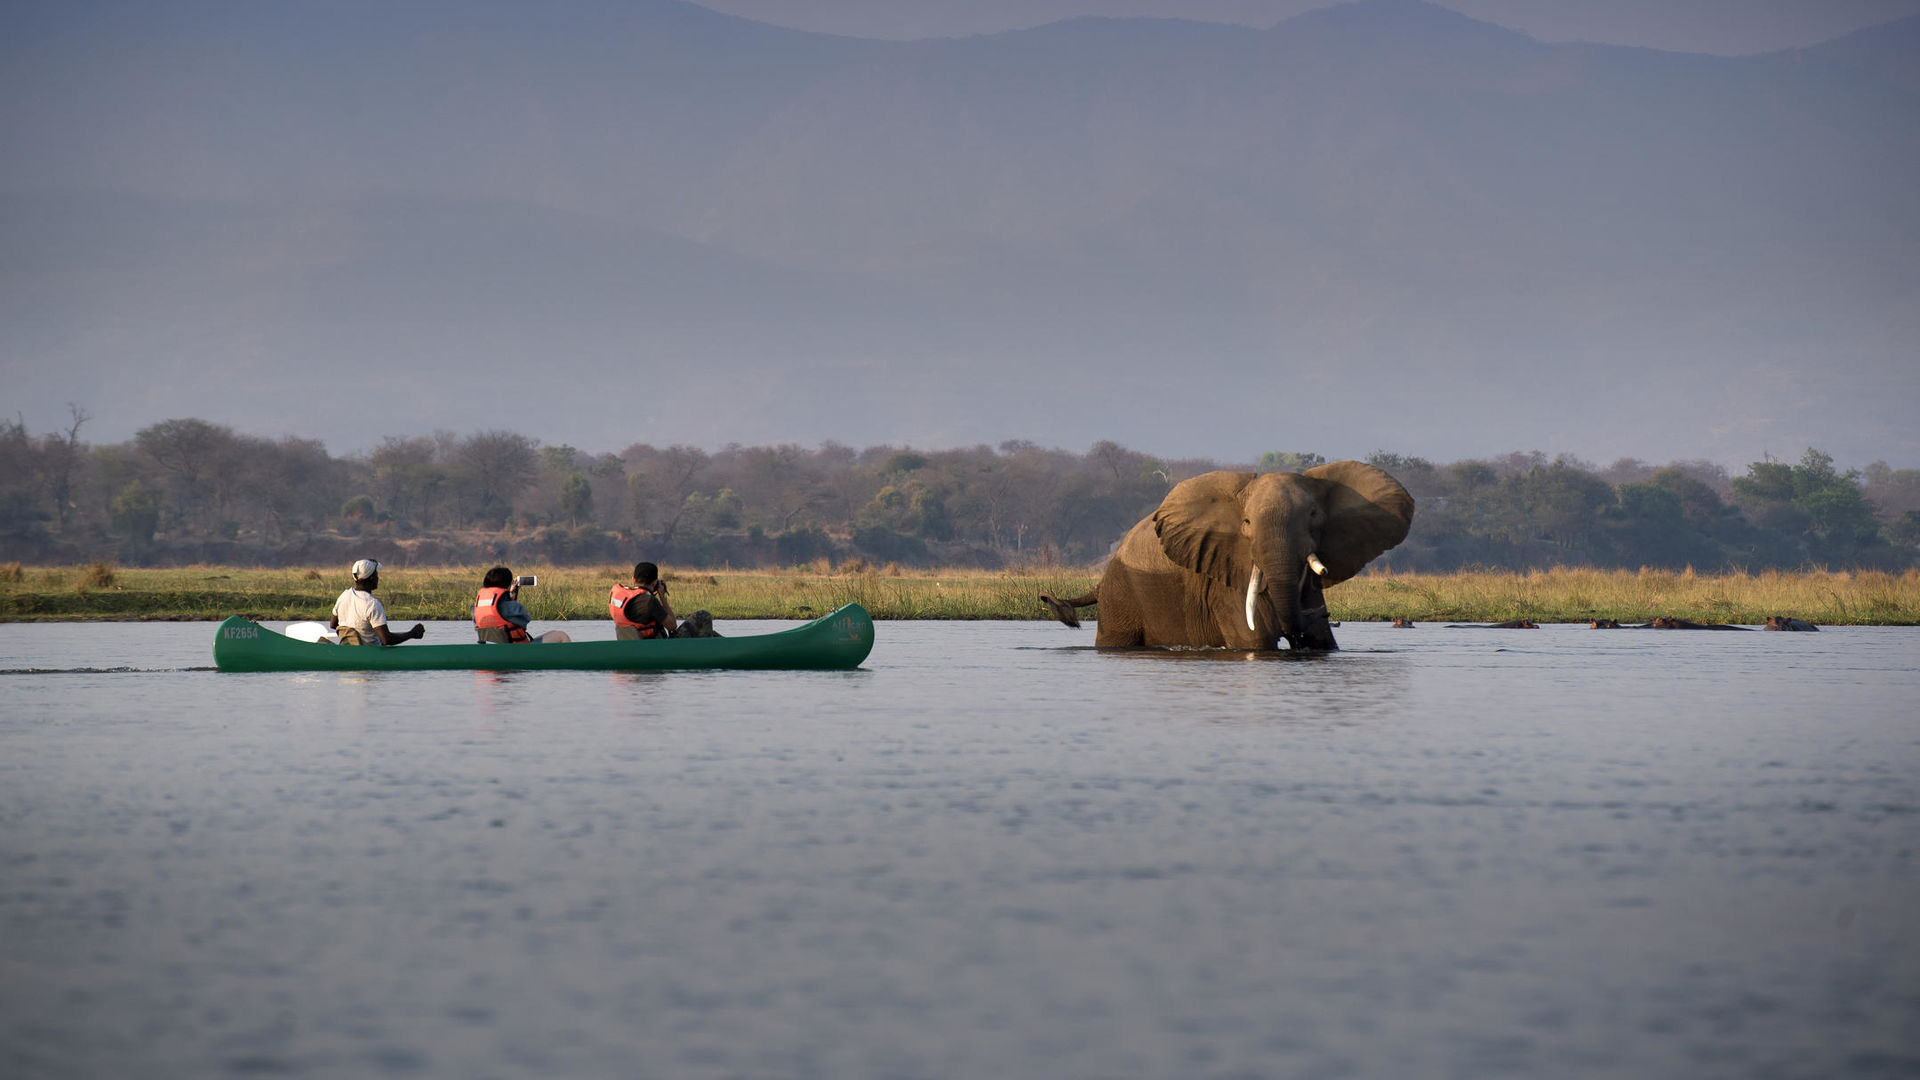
pixel 1377 226
pixel 1721 27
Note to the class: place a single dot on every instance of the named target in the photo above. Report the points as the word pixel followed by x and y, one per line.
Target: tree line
pixel 188 491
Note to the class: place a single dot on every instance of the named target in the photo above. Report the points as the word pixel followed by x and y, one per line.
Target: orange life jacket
pixel 486 615
pixel 617 598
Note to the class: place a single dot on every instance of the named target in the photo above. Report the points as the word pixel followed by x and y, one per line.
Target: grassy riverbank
pixel 1866 598
pixel 578 593
pixel 1564 595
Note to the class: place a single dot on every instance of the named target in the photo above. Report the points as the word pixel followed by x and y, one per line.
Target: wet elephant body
pixel 1243 560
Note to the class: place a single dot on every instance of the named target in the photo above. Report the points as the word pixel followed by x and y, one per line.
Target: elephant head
pixel 1277 540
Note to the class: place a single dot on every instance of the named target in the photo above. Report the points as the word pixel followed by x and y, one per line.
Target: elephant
pixel 1787 622
pixel 1241 560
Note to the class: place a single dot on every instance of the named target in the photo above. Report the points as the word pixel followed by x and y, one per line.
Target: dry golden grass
pixel 893 592
pixel 212 592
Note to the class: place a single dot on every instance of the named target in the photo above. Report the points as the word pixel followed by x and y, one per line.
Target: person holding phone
pixel 500 618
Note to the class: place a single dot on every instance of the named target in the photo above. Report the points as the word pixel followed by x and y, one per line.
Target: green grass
pixel 1561 595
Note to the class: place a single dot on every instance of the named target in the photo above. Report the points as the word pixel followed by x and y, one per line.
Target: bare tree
pixel 681 465
pixel 19 466
pixel 576 498
pixel 492 468
pixel 60 453
pixel 198 456
pixel 407 477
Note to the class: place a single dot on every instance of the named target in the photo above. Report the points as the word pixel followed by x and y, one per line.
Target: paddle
pixel 312 632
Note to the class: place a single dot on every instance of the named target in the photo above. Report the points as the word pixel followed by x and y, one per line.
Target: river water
pixel 991 852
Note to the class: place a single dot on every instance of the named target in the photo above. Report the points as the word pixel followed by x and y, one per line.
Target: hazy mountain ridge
pixel 1386 182
pixel 1891 52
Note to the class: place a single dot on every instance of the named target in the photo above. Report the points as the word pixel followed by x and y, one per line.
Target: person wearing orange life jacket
pixel 500 618
pixel 640 611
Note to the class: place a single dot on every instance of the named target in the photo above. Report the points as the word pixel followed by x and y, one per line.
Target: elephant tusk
pixel 1318 567
pixel 1253 590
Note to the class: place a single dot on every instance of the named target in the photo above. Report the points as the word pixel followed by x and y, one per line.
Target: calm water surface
pixel 993 851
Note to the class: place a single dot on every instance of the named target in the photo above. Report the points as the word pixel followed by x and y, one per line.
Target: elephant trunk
pixel 1301 627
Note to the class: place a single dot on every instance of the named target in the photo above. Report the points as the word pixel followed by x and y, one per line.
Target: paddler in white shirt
pixel 360 618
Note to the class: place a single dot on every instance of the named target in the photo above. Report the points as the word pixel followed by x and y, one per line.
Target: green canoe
pixel 839 639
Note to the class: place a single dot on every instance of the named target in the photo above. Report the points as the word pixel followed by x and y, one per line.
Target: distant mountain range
pixel 1381 225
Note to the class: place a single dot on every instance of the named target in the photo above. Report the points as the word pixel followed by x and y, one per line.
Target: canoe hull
pixel 838 640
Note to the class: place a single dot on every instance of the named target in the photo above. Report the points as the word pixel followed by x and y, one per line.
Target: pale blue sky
pixel 606 221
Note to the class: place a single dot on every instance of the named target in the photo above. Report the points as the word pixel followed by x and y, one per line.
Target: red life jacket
pixel 617 598
pixel 486 615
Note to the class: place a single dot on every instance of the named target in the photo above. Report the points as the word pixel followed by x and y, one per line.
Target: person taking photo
pixel 640 611
pixel 499 617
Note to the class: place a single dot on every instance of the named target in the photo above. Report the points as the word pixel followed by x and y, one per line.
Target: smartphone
pixel 525 580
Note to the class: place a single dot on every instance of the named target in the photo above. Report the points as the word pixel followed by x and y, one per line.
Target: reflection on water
pixel 1238 686
pixel 992 851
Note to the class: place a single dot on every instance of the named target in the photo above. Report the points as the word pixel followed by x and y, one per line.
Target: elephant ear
pixel 1367 513
pixel 1199 525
